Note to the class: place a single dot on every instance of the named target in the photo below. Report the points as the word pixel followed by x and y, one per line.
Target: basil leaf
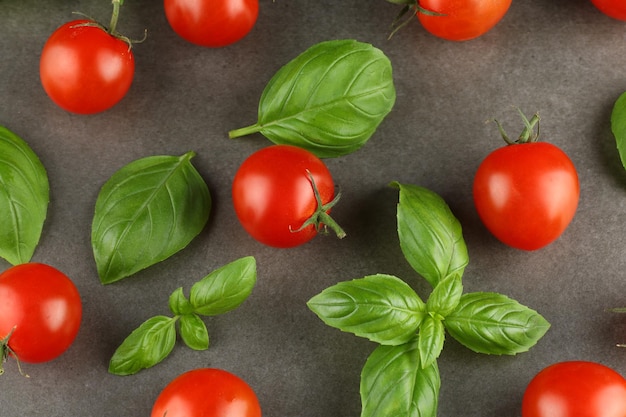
pixel 446 295
pixel 24 197
pixel 493 323
pixel 146 346
pixel 179 304
pixel 225 288
pixel 430 340
pixel 618 126
pixel 193 331
pixel 430 236
pixel 382 308
pixel 328 100
pixel 146 212
pixel 393 384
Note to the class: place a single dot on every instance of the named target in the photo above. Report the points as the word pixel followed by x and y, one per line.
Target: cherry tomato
pixel 613 8
pixel 526 193
pixel 207 392
pixel 461 20
pixel 274 195
pixel 85 70
pixel 212 23
pixel 40 312
pixel 575 389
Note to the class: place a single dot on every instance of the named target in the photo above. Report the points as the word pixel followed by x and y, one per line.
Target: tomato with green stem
pixel 456 20
pixel 40 313
pixel 212 23
pixel 282 195
pixel 207 392
pixel 612 8
pixel 86 68
pixel 575 389
pixel 526 193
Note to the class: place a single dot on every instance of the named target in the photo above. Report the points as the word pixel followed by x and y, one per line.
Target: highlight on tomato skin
pixel 40 313
pixel 207 392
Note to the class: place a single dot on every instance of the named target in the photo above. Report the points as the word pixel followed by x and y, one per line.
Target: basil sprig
pixel 401 377
pixel 24 198
pixel 221 291
pixel 146 212
pixel 329 100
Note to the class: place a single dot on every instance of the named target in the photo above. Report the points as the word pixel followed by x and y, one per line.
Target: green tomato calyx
pixel 528 134
pixel 320 219
pixel 6 351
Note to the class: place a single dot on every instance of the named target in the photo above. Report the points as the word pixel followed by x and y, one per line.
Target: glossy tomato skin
pixel 575 389
pixel 462 20
pixel 273 195
pixel 212 23
pixel 613 8
pixel 526 194
pixel 43 308
pixel 85 70
pixel 207 392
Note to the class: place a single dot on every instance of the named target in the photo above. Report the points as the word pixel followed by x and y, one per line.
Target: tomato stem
pixel 321 219
pixel 5 351
pixel 114 16
pixel 528 134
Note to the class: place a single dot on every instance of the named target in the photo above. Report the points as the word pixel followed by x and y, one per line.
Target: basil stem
pixel 329 100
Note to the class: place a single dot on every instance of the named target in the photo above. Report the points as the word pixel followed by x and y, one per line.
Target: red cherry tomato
pixel 461 20
pixel 207 392
pixel 85 70
pixel 613 8
pixel 575 389
pixel 526 193
pixel 212 23
pixel 40 312
pixel 273 194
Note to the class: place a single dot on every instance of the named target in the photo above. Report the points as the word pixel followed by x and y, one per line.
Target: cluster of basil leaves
pixel 401 376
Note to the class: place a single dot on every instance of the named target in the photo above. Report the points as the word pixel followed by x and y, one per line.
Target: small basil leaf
pixel 225 288
pixel 329 100
pixel 146 346
pixel 382 308
pixel 24 197
pixel 618 126
pixel 495 324
pixel 394 384
pixel 194 333
pixel 179 304
pixel 430 236
pixel 146 212
pixel 430 340
pixel 446 295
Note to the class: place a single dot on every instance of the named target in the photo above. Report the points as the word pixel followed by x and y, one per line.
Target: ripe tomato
pixel 207 392
pixel 575 389
pixel 40 312
pixel 212 23
pixel 85 70
pixel 613 8
pixel 461 20
pixel 274 195
pixel 526 194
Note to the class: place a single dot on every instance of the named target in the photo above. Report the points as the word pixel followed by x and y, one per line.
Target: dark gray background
pixel 562 58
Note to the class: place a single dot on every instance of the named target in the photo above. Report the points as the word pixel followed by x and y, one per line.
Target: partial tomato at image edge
pixel 40 312
pixel 575 389
pixel 207 392
pixel 612 8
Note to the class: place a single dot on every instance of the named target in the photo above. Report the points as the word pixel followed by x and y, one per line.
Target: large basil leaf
pixel 382 308
pixel 329 100
pixel 495 324
pixel 225 288
pixel 431 238
pixel 146 212
pixel 618 126
pixel 24 197
pixel 393 384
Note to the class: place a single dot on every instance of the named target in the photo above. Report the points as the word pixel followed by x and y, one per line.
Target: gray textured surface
pixel 560 57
